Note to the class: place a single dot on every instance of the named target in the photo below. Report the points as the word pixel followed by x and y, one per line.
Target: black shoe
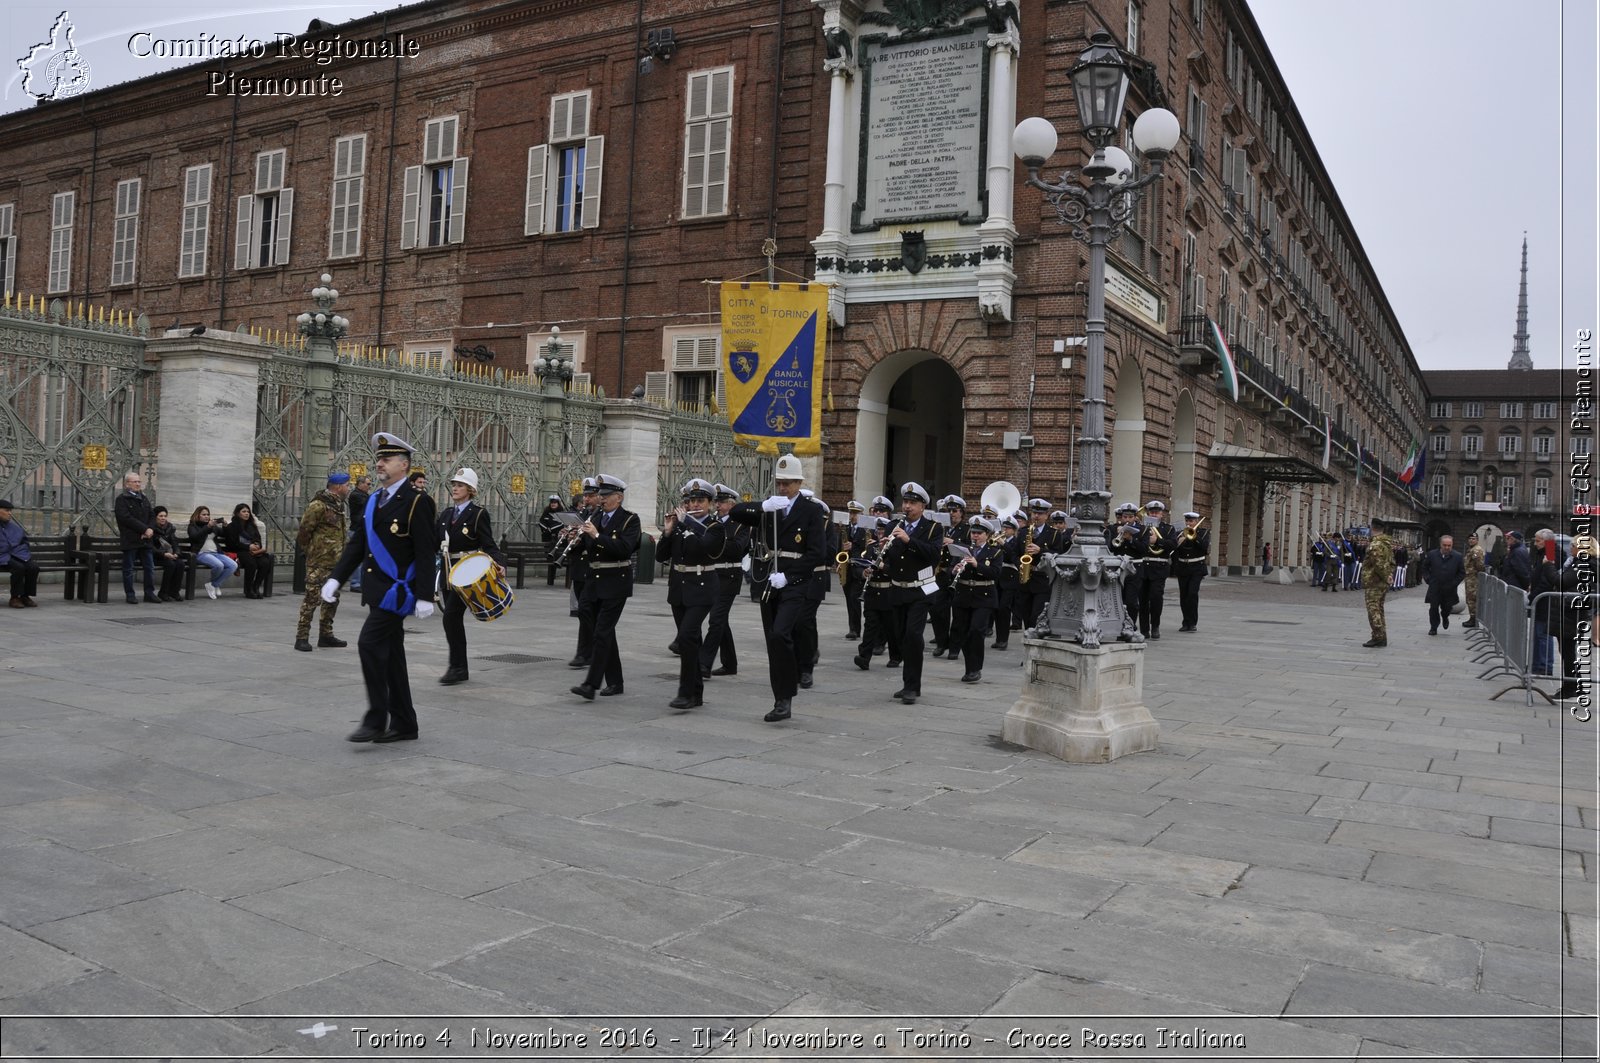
pixel 303 645
pixel 1433 631
pixel 938 649
pixel 329 642
pixel 578 662
pixel 453 676
pixel 133 599
pixel 853 636
pixel 684 703
pixel 584 691
pixel 998 646
pixel 673 649
pixel 908 697
pixel 1377 643
pixel 396 736
pixel 1445 620
pixel 1184 628
pixel 724 670
pixel 972 677
pixel 152 599
pixel 902 692
pixel 954 655
pixel 862 663
pixel 705 673
pixel 611 691
pixel 364 734
pixel 1470 623
pixel 780 711
pixel 895 664
pixel 805 680
pixel 1155 634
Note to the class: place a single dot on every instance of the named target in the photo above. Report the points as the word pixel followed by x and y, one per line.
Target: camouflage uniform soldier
pixel 1379 562
pixel 1474 566
pixel 322 536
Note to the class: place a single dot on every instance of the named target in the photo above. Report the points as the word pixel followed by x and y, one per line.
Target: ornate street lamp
pixel 1086 589
pixel 550 367
pixel 323 323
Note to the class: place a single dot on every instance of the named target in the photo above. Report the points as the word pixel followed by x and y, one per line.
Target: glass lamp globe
pixel 332 293
pixel 321 319
pixel 304 319
pixel 1034 141
pixel 326 278
pixel 1155 132
pixel 1120 163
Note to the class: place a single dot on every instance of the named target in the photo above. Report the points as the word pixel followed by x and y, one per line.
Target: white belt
pixel 824 568
pixel 725 565
pixel 694 570
pixel 913 583
pixel 611 564
pixel 793 555
pixel 974 583
pixel 1189 560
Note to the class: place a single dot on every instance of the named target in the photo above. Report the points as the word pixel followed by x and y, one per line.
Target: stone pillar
pixel 208 419
pixel 996 276
pixel 832 247
pixel 1083 706
pixel 630 449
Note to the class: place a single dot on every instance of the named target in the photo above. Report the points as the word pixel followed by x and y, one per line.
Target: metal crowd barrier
pixel 1505 635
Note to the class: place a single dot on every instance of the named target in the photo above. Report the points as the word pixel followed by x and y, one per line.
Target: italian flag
pixel 1409 472
pixel 1230 371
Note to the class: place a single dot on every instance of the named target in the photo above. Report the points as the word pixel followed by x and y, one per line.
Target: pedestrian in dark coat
pixel 1517 568
pixel 1443 570
pixel 136 526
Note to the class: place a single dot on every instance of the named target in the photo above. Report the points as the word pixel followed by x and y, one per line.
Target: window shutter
pixel 594 153
pixel 560 118
pixel 683 353
pixel 721 92
pixel 241 244
pixel 657 388
pixel 458 201
pixel 699 96
pixel 705 352
pixel 410 207
pixel 722 394
pixel 533 204
pixel 582 383
pixel 285 218
pixel 578 124
pixel 717 167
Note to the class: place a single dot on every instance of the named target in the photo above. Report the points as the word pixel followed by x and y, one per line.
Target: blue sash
pixel 399 598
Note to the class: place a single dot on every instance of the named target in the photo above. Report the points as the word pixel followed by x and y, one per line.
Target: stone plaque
pixel 1134 296
pixel 922 128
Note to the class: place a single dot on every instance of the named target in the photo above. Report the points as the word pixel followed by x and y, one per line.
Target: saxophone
pixel 1025 564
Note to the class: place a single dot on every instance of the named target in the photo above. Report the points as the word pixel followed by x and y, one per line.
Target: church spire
pixel 1520 358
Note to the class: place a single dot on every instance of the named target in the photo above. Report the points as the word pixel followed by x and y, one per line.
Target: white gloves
pixel 775 503
pixel 330 591
pixel 424 610
pixel 779 581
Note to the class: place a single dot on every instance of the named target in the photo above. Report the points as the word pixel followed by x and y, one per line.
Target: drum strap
pixel 399 598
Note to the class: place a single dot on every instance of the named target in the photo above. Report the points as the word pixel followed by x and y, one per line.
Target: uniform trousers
pixel 911 616
pixel 719 635
pixel 604 661
pixel 689 640
pixel 315 577
pixel 972 622
pixel 382 646
pixel 781 614
pixel 939 617
pixel 852 600
pixel 1002 616
pixel 1189 577
pixel 1037 594
pixel 585 623
pixel 806 645
pixel 1132 592
pixel 455 629
pixel 1150 596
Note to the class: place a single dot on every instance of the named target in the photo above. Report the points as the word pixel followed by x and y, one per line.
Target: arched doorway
pixel 909 426
pixel 1127 435
pixel 1183 454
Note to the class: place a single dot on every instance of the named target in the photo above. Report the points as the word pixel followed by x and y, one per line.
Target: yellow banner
pixel 773 337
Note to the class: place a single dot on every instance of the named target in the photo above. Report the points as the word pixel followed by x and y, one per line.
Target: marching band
pixel 971 577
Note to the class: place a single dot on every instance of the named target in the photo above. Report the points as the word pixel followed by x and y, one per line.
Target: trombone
pixel 1190 534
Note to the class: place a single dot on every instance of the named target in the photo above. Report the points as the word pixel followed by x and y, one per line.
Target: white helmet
pixel 465 476
pixel 788 469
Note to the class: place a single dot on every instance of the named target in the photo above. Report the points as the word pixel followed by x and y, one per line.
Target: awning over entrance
pixel 1270 467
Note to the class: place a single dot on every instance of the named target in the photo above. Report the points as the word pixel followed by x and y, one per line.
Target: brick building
pixel 522 166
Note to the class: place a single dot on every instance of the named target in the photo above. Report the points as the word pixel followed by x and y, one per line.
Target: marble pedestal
pixel 1083 706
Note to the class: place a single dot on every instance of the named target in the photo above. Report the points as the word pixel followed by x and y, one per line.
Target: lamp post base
pixel 1083 706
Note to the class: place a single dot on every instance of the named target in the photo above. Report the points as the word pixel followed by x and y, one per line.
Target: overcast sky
pixel 1449 127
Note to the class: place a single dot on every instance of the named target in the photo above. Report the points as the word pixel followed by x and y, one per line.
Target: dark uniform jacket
pixel 903 560
pixel 408 529
pixel 1192 552
pixel 607 559
pixel 1158 553
pixel 799 543
pixel 877 593
pixel 469 530
pixel 694 553
pixel 976 586
pixel 735 545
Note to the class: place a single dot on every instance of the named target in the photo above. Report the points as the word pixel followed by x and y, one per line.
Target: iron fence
pixel 700 443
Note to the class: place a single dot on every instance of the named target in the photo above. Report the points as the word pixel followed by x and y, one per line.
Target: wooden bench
pixel 63 555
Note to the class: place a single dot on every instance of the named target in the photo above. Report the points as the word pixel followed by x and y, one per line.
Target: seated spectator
pixel 169 558
pixel 208 539
pixel 247 539
pixel 16 557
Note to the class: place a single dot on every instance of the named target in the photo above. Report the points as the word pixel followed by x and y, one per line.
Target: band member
pixel 1125 539
pixel 854 541
pixel 975 594
pixel 692 539
pixel 1160 539
pixel 1037 539
pixel 877 597
pixel 1319 561
pixel 1005 583
pixel 944 640
pixel 1189 565
pixel 464 527
pixel 914 548
pixel 394 545
pixel 608 540
pixel 577 565
pixel 549 531
pixel 730 576
pixel 789 543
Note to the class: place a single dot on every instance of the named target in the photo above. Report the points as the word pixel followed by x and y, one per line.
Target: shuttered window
pixel 707 136
pixel 125 231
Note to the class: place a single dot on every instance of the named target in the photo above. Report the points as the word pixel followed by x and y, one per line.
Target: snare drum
pixel 486 595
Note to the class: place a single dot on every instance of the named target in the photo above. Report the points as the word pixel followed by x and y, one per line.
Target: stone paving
pixel 1336 852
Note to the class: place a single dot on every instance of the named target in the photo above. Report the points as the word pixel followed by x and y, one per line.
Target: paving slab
pixel 1247 847
pixel 45 881
pixel 633 912
pixel 1133 863
pixel 219 862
